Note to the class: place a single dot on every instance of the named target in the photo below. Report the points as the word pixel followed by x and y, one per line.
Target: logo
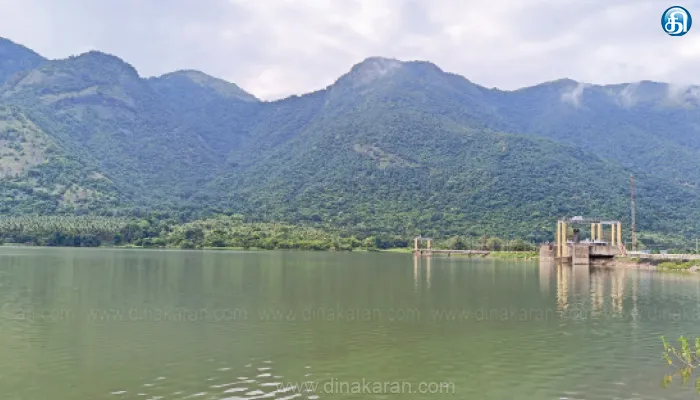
pixel 676 21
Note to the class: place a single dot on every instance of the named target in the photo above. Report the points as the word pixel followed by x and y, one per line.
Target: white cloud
pixel 574 95
pixel 275 48
pixel 683 94
pixel 628 96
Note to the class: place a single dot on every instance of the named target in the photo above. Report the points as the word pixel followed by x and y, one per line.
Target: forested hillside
pixel 391 148
pixel 37 176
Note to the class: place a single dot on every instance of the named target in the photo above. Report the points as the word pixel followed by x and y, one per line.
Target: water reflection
pixel 418 263
pixel 427 271
pixel 617 289
pixel 596 290
pixel 416 271
pixel 597 293
pixel 563 273
pixel 546 271
pixel 581 281
pixel 471 321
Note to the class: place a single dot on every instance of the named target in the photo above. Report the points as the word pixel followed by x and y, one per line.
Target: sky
pixel 276 48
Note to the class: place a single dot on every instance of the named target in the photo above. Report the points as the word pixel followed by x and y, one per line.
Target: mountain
pixel 392 147
pixel 15 58
pixel 181 85
pixel 37 175
pixel 218 111
pixel 97 107
pixel 646 126
pixel 404 147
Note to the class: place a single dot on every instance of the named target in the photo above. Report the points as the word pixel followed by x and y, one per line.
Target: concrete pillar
pixel 428 244
pixel 612 233
pixel 592 232
pixel 580 254
pixel 558 238
pixel 600 231
pixel 619 233
pixel 415 244
pixel 565 249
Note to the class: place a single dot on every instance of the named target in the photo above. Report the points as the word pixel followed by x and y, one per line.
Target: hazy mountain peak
pixel 376 72
pixel 103 61
pixel 564 82
pixel 220 86
pixel 9 48
pixel 684 95
pixel 371 69
pixel 16 58
pixel 378 61
pixel 556 85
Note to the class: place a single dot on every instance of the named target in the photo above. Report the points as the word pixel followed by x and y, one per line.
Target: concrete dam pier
pixel 579 253
pixel 569 248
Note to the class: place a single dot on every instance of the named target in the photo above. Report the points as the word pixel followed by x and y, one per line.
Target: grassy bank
pixel 661 264
pixel 403 250
pixel 511 255
pixel 675 265
pixel 519 255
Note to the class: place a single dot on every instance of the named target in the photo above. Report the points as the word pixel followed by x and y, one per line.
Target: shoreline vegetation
pixel 227 233
pixel 668 264
pixel 502 254
pixel 506 255
pixel 234 232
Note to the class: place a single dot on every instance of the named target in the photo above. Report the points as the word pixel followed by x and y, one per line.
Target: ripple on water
pixel 236 390
pixel 265 386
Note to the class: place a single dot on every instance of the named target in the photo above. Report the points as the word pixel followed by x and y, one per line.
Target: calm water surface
pixel 137 324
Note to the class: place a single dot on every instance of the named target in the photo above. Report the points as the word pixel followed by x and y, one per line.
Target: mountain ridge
pixel 391 147
pixel 694 89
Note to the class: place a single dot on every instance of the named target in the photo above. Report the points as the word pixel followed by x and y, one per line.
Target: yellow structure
pixel 562 250
pixel 619 233
pixel 558 239
pixel 612 234
pixel 599 243
pixel 565 249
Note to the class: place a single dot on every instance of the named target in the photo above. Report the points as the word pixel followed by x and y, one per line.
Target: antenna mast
pixel 634 216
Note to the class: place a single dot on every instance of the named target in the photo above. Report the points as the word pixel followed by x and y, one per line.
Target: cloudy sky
pixel 274 48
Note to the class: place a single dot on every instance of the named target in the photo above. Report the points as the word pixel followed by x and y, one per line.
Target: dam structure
pixel 429 251
pixel 603 243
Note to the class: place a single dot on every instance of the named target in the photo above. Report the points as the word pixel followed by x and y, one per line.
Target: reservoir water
pixel 155 324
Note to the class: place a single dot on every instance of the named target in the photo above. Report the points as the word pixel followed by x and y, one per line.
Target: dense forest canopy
pixel 392 149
